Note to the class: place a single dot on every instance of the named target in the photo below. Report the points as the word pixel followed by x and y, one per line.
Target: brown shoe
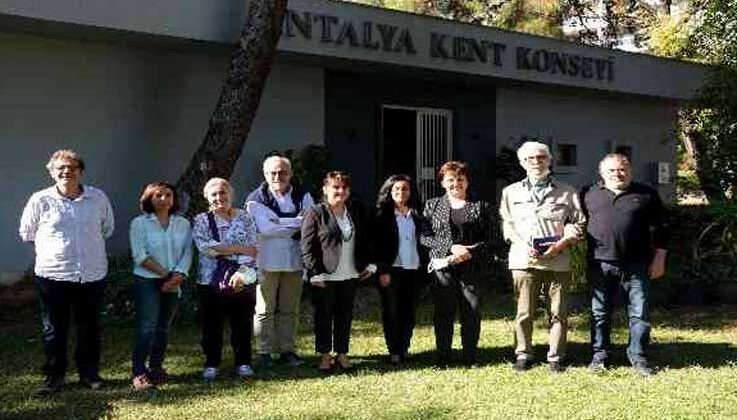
pixel 326 363
pixel 141 382
pixel 342 361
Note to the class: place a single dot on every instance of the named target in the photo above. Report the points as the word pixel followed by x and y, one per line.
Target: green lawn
pixel 695 347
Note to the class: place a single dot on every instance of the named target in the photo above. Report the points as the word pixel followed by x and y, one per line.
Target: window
pixel 567 155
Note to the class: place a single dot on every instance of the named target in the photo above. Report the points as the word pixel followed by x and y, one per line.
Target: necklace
pixel 346 226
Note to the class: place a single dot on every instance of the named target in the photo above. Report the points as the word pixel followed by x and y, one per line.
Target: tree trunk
pixel 236 108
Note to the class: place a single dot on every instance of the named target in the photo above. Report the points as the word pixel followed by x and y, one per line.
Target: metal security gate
pixel 434 147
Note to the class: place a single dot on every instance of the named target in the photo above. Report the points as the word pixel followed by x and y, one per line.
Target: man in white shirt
pixel 277 206
pixel 68 224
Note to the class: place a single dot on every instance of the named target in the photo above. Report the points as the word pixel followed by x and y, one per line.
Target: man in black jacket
pixel 626 248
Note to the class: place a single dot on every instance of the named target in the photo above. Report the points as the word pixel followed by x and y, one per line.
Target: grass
pixel 695 349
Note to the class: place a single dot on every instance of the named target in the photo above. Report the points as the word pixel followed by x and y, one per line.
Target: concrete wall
pixel 595 123
pixel 136 115
pixel 220 21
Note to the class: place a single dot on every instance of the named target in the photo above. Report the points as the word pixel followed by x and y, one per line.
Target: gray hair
pixel 218 181
pixel 532 146
pixel 614 156
pixel 64 154
pixel 272 160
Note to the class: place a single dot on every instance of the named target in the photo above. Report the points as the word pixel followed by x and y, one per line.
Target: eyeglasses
pixel 536 157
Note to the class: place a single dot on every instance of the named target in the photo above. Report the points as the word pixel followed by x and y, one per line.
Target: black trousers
pixel 398 306
pixel 238 309
pixel 451 293
pixel 333 315
pixel 59 300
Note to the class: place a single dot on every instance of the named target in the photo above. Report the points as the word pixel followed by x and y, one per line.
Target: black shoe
pixel 597 366
pixel 264 360
pixel 394 359
pixel 556 367
pixel 291 359
pixel 521 365
pixel 643 369
pixel 93 382
pixel 470 362
pixel 52 385
pixel 443 361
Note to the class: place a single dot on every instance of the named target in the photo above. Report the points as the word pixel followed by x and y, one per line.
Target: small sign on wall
pixel 664 173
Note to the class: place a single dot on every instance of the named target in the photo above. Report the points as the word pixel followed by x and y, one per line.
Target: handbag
pixel 220 280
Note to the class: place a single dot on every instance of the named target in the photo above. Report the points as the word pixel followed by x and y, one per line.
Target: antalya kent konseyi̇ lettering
pixel 374 36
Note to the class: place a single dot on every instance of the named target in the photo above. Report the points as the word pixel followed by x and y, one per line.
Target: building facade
pixel 131 86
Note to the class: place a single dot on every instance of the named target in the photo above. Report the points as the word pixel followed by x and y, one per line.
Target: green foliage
pixel 309 166
pixel 711 123
pixel 579 264
pixel 118 303
pixel 704 245
pixel 717 35
pixel 670 36
pixel 687 181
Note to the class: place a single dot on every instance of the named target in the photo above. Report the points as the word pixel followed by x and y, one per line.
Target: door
pixel 416 141
pixel 434 147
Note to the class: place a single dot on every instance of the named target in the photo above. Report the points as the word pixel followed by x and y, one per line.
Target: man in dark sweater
pixel 626 237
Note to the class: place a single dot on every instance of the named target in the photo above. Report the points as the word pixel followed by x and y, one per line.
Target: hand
pixel 459 250
pixel 251 251
pixel 237 281
pixel 459 259
pixel 385 280
pixel 172 283
pixel 532 252
pixel 553 250
pixel 320 284
pixel 363 275
pixel 657 265
pixel 571 231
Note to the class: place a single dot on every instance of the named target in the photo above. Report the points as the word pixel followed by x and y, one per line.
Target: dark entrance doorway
pixel 399 141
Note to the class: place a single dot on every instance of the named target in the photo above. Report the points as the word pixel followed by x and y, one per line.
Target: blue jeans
pixel 59 300
pixel 154 313
pixel 605 278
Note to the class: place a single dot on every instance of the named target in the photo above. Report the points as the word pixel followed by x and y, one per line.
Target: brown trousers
pixel 527 287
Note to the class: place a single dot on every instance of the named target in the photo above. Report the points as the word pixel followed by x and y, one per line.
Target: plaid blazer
pixel 436 233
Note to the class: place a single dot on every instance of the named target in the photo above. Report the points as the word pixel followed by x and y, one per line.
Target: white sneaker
pixel 210 373
pixel 245 371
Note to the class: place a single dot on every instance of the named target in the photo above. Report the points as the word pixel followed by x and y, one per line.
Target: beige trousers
pixel 277 311
pixel 527 287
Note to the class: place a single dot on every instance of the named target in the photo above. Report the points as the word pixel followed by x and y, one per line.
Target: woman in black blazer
pixel 336 254
pixel 457 234
pixel 398 257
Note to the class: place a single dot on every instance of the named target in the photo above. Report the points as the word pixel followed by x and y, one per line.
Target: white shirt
pixel 407 256
pixel 171 248
pixel 346 268
pixel 68 234
pixel 277 250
